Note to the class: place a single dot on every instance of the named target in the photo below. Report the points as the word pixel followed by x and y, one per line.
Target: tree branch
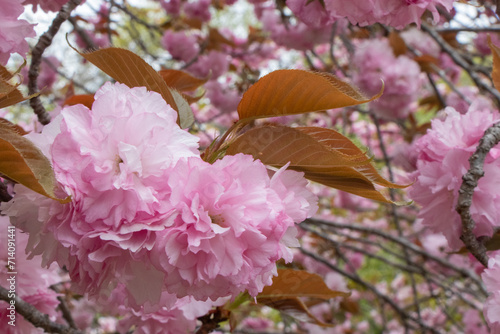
pixel 490 138
pixel 35 317
pixel 36 59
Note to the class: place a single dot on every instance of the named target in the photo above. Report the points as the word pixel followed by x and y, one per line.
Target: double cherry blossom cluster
pixel 146 208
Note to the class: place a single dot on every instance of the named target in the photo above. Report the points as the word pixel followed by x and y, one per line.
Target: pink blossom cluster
pixel 212 64
pixel 47 76
pixel 443 155
pixel 180 44
pixel 145 207
pixel 491 278
pixel 375 62
pixel 396 13
pixel 13 31
pixel 194 10
pixel 31 282
pixel 298 36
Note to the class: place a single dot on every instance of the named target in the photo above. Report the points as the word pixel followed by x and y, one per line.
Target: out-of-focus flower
pixel 298 36
pixel 396 13
pixel 181 45
pixel 375 62
pixel 491 279
pixel 31 282
pixel 199 9
pixel 422 42
pixel 13 31
pixel 212 64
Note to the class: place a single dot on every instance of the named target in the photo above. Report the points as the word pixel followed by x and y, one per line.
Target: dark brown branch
pixel 35 317
pixel 36 58
pixel 490 138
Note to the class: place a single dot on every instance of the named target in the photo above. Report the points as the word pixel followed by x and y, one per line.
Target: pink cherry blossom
pixel 481 42
pixel 112 160
pixel 422 42
pixel 180 318
pixel 47 76
pixel 223 98
pixel 443 155
pixel 213 65
pixel 181 45
pixel 491 279
pixel 375 62
pixel 311 13
pixel 172 7
pixel 396 13
pixel 233 224
pixel 298 36
pixel 199 9
pixel 31 280
pixel 13 31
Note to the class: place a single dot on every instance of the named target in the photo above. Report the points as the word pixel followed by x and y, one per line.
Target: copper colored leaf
pixel 10 95
pixel 339 142
pixel 397 43
pixel 290 92
pixel 427 63
pixel 128 68
pixel 16 128
pixel 315 154
pixel 299 283
pixel 276 145
pixel 287 288
pixel 495 74
pixel 24 163
pixel 5 74
pixel 181 81
pixel 85 99
pixel 216 39
pixel 350 306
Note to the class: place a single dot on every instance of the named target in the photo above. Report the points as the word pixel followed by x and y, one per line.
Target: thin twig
pixel 35 317
pixel 401 312
pixel 460 61
pixel 407 244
